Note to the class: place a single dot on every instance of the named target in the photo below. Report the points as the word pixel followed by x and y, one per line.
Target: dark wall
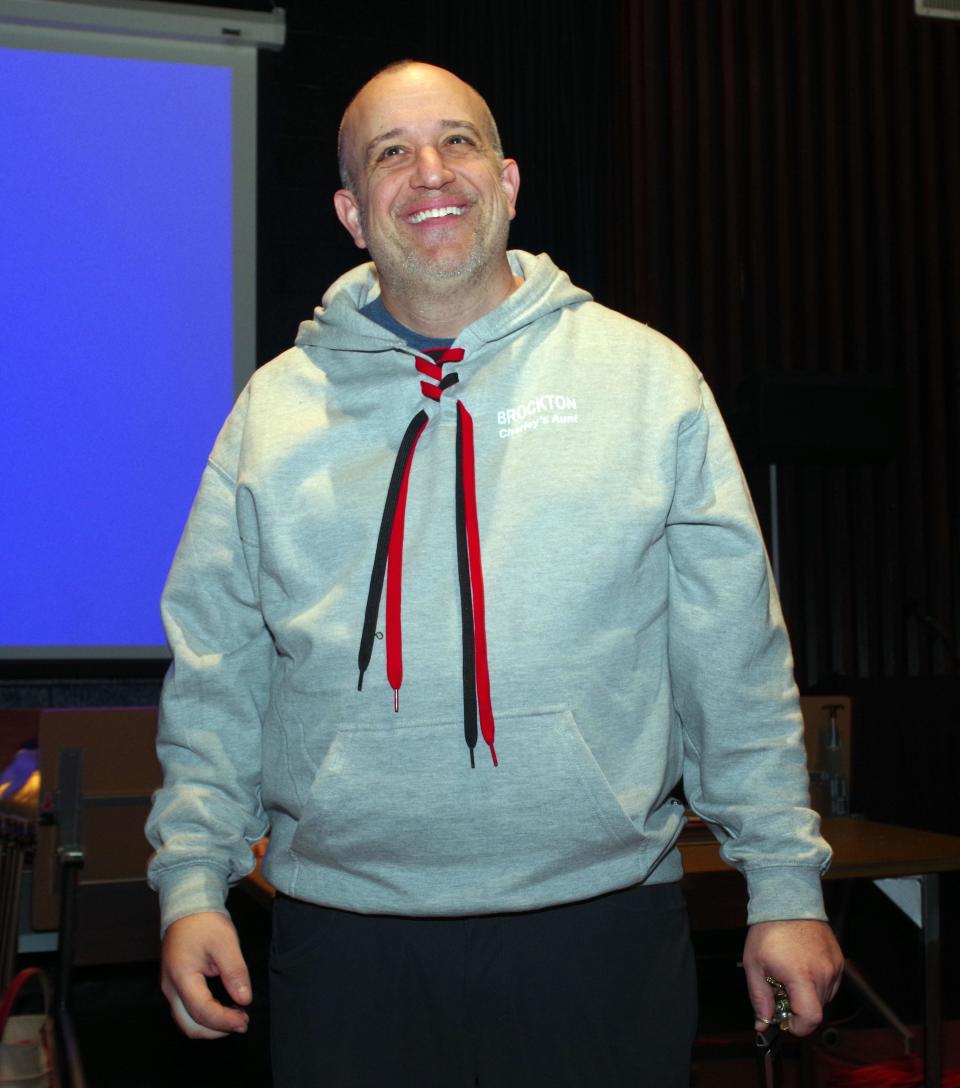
pixel 795 226
pixel 796 169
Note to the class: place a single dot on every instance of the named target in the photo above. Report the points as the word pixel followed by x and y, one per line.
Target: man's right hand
pixel 195 948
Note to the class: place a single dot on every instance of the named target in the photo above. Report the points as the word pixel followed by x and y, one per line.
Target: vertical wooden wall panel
pixel 757 207
pixel 806 239
pixel 855 186
pixel 730 178
pixel 784 270
pixel 678 165
pixel 907 250
pixel 835 254
pixel 949 91
pixel 796 213
pixel 708 294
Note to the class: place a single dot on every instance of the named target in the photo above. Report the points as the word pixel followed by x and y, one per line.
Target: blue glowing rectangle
pixel 116 334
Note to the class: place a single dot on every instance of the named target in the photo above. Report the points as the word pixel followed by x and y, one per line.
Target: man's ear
pixel 510 180
pixel 348 212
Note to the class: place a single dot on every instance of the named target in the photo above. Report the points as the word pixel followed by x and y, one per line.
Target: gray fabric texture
pixel 634 632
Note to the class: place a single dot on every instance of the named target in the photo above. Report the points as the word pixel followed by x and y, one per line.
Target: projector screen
pixel 127 320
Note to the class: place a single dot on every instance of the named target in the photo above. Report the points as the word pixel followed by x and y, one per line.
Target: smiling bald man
pixel 471 585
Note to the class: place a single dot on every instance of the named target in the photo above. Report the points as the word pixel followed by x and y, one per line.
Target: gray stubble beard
pixel 408 270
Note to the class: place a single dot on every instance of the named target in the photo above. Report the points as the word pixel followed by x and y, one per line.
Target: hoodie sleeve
pixel 732 675
pixel 208 812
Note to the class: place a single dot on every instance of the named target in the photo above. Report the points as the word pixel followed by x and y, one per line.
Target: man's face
pixel 433 201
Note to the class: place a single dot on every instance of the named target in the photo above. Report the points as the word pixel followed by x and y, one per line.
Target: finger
pixel 834 985
pixel 201 1016
pixel 236 980
pixel 825 981
pixel 805 1005
pixel 225 960
pixel 761 995
pixel 186 1023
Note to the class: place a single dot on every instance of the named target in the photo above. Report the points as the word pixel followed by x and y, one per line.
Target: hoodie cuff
pixel 784 892
pixel 191 891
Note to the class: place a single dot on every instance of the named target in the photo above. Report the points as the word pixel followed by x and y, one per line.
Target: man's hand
pixel 196 948
pixel 805 957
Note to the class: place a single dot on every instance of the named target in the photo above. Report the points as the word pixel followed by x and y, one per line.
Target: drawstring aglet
pixel 396 700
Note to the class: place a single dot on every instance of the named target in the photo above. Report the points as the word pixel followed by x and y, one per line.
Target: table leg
pixel 933 1014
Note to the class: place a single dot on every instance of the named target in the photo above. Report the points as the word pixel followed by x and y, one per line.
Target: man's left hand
pixel 805 957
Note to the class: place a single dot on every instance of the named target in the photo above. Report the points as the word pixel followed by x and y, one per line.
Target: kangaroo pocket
pixel 401 812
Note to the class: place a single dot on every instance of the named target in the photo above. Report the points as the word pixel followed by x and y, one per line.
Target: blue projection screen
pixel 121 301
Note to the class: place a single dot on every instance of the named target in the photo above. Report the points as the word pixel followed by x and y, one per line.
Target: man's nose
pixel 430 170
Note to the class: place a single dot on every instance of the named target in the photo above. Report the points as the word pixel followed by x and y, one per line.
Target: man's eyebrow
pixel 444 124
pixel 447 124
pixel 380 137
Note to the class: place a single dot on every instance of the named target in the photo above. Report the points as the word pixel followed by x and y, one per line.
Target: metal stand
pixel 853 975
pixel 930 935
pixel 919 899
pixel 71 857
pixel 16 842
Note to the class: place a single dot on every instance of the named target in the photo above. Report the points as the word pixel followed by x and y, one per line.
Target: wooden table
pixel 905 864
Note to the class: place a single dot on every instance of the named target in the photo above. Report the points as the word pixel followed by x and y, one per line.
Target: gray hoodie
pixel 634 636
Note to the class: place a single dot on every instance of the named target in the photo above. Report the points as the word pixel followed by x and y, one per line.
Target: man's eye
pixel 391 152
pixel 459 138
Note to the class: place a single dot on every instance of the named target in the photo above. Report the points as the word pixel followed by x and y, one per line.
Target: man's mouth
pixel 435 213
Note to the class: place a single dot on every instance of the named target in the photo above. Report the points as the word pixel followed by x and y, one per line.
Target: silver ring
pixel 782 1009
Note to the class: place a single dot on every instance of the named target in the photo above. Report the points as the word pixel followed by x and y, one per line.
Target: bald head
pixel 413 72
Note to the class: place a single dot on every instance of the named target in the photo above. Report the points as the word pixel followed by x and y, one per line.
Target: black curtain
pixel 796 167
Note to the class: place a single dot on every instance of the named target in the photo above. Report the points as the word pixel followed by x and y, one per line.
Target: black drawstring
pixel 466 608
pixel 383 543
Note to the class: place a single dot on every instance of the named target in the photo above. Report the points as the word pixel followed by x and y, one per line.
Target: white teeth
pixel 434 213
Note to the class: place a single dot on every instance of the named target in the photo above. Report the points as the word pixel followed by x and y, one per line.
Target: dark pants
pixel 596 994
